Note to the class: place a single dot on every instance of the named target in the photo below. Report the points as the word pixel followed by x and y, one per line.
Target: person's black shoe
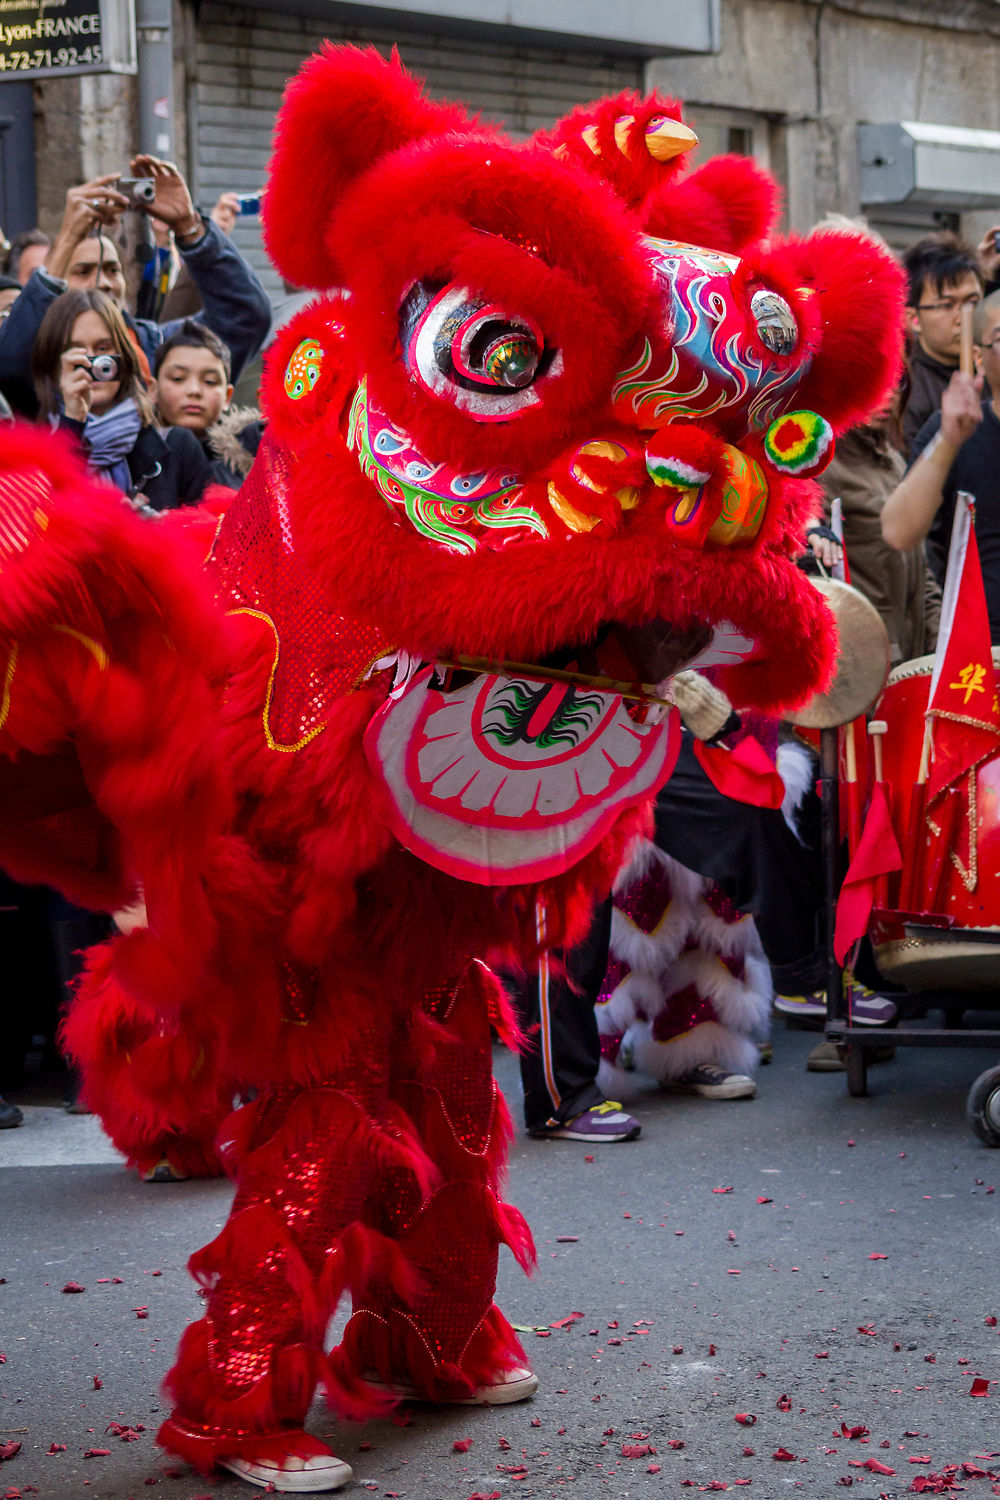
pixel 10 1115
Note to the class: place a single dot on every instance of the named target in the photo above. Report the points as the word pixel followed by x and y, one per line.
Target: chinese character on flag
pixel 963 703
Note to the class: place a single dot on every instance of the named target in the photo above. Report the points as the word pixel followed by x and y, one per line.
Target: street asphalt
pixel 768 1295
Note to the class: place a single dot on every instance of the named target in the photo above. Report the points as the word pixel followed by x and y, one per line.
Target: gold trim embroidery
pixel 96 650
pixel 8 682
pixel 272 743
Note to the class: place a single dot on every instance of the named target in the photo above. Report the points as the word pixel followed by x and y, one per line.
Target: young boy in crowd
pixel 194 387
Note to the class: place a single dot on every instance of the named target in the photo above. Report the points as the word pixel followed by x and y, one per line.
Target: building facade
pixel 790 81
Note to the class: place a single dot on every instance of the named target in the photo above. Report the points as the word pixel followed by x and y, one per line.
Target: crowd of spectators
pixel 144 399
pixel 108 377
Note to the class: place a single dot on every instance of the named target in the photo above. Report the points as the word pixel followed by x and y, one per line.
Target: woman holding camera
pixel 89 382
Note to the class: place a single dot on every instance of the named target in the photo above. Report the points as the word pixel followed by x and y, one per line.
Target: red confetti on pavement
pixel 461 1445
pixel 74 1286
pixel 711 1348
pixel 980 1387
pixel 823 1354
pixel 877 1467
pixel 141 1312
pixel 990 1322
pixel 722 1190
pixel 638 1450
pixel 572 1317
pixel 9 1450
pixel 762 1199
pixel 98 1383
pixel 860 1431
pixel 652 1468
pixel 783 1403
pixel 675 1443
pixel 876 1256
pixel 784 1456
pixel 745 1418
pixel 57 1448
pixel 96 1452
pixel 868 1329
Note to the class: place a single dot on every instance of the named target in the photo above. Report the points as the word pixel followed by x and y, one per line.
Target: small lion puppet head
pixel 572 355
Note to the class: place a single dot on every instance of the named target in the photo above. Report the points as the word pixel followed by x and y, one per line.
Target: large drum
pixel 940 929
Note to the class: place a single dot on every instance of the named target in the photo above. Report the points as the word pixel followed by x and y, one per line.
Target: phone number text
pixel 49 57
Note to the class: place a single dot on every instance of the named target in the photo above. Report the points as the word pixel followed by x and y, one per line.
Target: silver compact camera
pixel 137 190
pixel 103 367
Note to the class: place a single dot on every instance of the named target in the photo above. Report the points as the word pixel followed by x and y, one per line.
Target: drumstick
pixel 853 805
pixel 916 833
pixel 639 692
pixel 965 362
pixel 876 729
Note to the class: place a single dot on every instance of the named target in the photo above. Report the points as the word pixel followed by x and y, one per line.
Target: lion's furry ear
pixel 859 289
pixel 728 204
pixel 343 110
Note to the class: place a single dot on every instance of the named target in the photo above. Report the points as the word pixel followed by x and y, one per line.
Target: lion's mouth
pixel 635 661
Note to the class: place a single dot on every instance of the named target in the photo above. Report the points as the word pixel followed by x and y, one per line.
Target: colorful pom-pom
pixel 799 443
pixel 675 472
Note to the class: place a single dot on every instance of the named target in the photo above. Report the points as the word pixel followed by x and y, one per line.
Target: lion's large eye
pixel 473 352
pixel 775 321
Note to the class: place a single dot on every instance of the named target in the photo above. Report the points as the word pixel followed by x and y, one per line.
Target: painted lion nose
pixel 626 495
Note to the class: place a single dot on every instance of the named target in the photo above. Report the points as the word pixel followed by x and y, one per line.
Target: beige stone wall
pixel 816 68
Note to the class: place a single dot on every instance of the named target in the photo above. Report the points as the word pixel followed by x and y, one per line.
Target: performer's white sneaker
pixel 309 1468
pixel 504 1389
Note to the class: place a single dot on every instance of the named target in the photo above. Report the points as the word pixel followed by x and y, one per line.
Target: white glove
pixel 703 707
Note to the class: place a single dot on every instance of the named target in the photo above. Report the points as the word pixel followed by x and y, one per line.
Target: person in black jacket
pixel 83 256
pixel 89 382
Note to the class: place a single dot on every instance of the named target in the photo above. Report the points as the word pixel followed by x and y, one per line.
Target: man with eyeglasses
pixel 958 448
pixel 945 275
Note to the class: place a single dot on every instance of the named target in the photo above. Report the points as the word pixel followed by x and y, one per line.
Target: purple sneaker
pixel 865 1007
pixel 605 1122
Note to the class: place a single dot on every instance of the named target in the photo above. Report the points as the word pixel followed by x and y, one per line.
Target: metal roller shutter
pixel 245 56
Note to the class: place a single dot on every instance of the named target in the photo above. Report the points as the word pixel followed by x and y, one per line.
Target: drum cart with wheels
pixel 858 1043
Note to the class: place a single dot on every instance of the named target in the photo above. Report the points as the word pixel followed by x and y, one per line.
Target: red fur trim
pixel 321 320
pixel 633 174
pixel 728 204
pixel 860 291
pixel 345 109
pixel 154 1087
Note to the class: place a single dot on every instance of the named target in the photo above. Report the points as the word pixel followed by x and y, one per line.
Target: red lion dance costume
pixel 531 423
